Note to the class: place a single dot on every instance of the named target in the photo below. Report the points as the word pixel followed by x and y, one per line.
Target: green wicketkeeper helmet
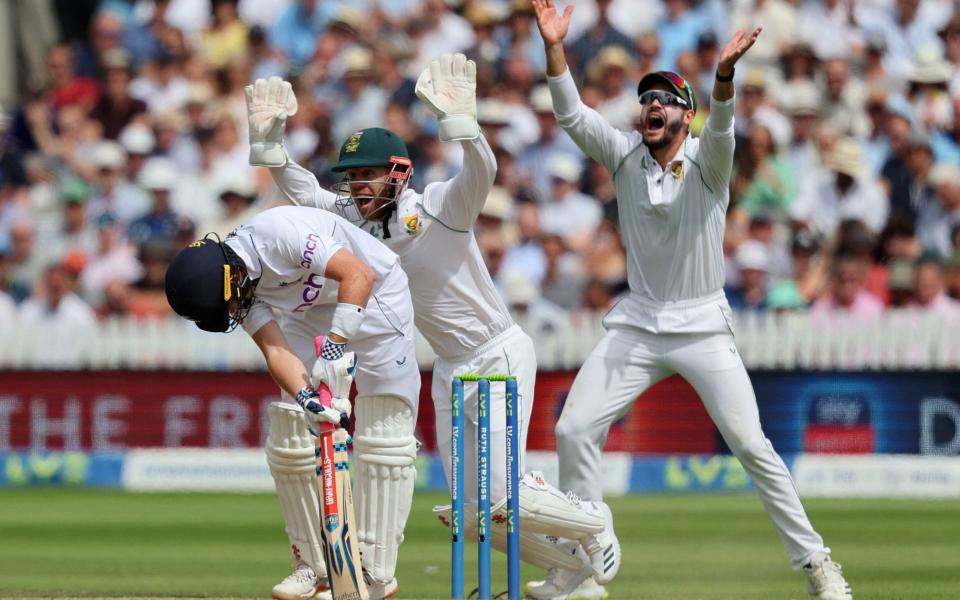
pixel 371 147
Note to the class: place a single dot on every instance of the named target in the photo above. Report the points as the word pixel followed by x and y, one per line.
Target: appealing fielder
pixel 672 193
pixel 456 305
pixel 286 276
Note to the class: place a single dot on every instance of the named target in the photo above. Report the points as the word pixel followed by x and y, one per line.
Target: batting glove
pixel 335 369
pixel 269 103
pixel 449 87
pixel 309 399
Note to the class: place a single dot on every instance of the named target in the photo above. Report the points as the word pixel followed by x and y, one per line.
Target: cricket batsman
pixel 288 275
pixel 457 307
pixel 673 193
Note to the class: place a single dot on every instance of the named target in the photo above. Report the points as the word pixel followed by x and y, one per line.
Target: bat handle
pixel 326 396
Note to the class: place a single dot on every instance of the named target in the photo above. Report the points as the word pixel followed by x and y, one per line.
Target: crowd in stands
pixel 130 141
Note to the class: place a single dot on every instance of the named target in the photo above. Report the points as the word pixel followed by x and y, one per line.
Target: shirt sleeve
pixel 302 187
pixel 716 146
pixel 592 133
pixel 457 203
pixel 260 314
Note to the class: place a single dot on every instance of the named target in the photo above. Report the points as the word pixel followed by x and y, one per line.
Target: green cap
pixel 785 294
pixel 677 83
pixel 372 147
pixel 75 191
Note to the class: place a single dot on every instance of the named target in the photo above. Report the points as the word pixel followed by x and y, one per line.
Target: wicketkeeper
pixel 456 305
pixel 288 275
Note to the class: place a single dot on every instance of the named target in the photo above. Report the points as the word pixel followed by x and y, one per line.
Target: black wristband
pixel 726 78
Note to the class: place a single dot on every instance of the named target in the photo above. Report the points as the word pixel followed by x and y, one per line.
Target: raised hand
pixel 269 103
pixel 553 26
pixel 735 48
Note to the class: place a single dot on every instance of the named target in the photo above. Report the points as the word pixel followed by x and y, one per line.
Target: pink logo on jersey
pixel 311 291
pixel 309 245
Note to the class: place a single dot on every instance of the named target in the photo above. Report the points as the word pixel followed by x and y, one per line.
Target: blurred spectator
pixel 900 283
pixel 138 141
pixel 951 276
pixel 899 240
pixel 536 315
pixel 764 180
pixel 927 90
pixel 148 297
pixel 528 255
pixel 779 19
pixel 106 34
pixel 26 262
pixel 843 190
pixel 600 35
pixel 843 100
pixel 798 62
pixel 606 259
pixel 754 107
pixel 494 249
pixel 551 141
pixel 144 39
pixel 598 296
pixel 950 34
pixel 75 232
pixel 441 31
pixel 237 202
pixel 610 72
pixel 802 106
pixel 113 260
pixel 159 177
pixel 937 220
pixel 846 293
pixel 784 296
pixel 161 84
pixel 226 39
pixel 296 30
pixel 707 53
pixel 567 212
pixel 114 193
pixel 876 145
pixel 928 292
pixel 830 27
pixel 497 214
pixel 678 29
pixel 57 304
pixel 117 108
pixel 810 267
pixel 363 101
pixel 753 262
pixel 565 278
pixel 65 88
pixel 905 30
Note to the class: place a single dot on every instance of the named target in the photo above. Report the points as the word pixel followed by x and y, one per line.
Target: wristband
pixel 346 320
pixel 725 78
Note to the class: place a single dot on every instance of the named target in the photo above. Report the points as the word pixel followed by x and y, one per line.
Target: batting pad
pixel 535 549
pixel 545 509
pixel 384 451
pixel 292 461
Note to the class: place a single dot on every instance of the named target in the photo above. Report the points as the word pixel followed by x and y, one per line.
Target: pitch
pixel 91 543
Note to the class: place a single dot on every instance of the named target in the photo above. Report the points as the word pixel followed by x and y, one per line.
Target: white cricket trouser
pixel 510 353
pixel 626 362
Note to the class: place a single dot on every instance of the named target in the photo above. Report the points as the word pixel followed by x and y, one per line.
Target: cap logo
pixel 196 244
pixel 353 142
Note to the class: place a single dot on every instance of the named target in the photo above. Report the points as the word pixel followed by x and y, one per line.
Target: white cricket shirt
pixel 456 306
pixel 287 248
pixel 671 220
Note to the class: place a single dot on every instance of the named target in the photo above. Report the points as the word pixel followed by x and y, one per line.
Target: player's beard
pixel 671 130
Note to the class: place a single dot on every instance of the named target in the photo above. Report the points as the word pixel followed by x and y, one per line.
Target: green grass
pixel 73 542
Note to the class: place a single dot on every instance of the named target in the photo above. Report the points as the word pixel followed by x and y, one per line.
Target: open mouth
pixel 655 122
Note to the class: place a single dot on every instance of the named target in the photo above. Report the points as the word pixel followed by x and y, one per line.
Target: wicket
pixel 483 485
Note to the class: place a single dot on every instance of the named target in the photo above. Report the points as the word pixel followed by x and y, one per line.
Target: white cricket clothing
pixel 456 305
pixel 287 248
pixel 676 318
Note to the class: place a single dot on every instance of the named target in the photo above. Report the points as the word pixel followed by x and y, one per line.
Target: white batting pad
pixel 545 509
pixel 384 451
pixel 291 457
pixel 535 549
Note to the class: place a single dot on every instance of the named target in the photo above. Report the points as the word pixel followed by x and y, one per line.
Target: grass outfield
pixel 72 542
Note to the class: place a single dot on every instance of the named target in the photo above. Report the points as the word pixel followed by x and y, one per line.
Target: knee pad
pixel 291 457
pixel 384 451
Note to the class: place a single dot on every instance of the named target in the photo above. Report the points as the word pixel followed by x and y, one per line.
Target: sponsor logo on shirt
pixel 309 245
pixel 311 291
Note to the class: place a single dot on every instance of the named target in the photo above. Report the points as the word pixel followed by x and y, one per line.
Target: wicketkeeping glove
pixel 449 87
pixel 269 103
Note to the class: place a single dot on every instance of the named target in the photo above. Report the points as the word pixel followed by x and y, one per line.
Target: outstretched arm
pixel 448 86
pixel 592 133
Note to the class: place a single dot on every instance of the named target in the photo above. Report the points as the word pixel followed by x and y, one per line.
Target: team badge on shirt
pixel 676 167
pixel 412 224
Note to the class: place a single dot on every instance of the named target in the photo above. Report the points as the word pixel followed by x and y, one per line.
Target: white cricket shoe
pixel 560 584
pixel 302 584
pixel 377 590
pixel 603 548
pixel 825 579
pixel 588 590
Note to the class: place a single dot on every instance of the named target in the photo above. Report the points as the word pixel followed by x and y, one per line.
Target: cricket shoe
pixel 588 590
pixel 377 590
pixel 302 584
pixel 603 548
pixel 825 579
pixel 560 584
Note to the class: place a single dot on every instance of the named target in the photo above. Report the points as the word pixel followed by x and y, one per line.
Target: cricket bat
pixel 341 549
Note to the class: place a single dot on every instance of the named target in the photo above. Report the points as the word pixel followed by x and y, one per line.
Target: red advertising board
pixel 119 410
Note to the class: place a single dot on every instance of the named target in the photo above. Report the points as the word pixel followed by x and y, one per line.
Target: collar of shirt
pixel 649 163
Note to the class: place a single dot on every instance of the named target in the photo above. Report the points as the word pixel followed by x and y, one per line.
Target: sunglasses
pixel 664 98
